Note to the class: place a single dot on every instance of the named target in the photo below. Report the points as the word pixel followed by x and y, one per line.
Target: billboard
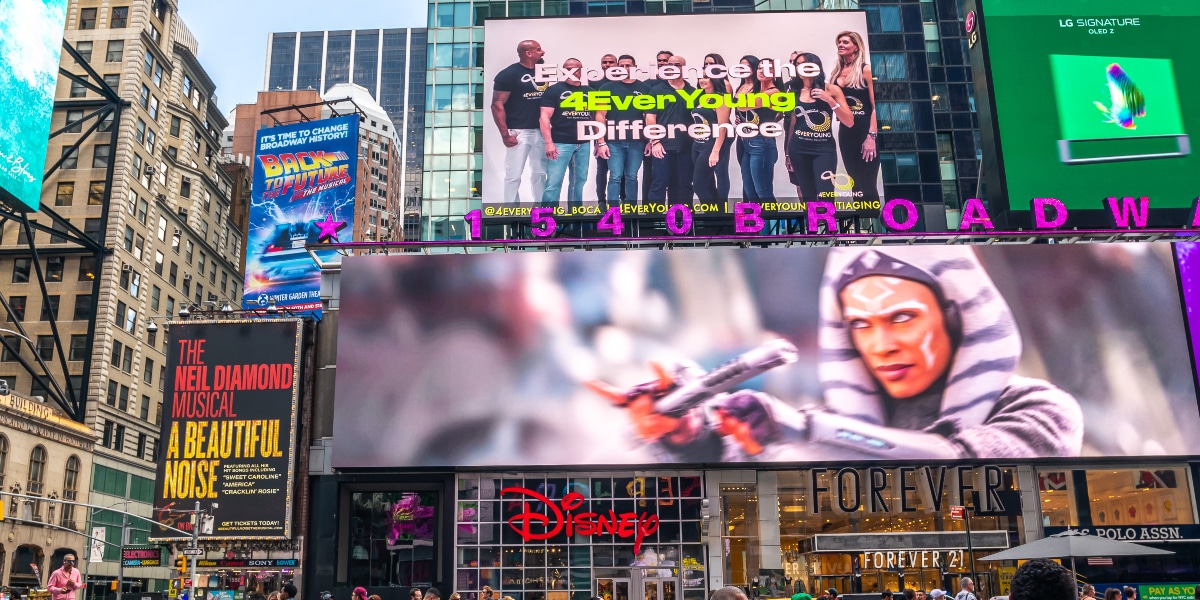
pixel 31 34
pixel 763 355
pixel 229 427
pixel 302 194
pixel 1115 108
pixel 726 119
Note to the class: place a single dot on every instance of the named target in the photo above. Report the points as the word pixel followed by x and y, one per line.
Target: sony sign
pixel 905 489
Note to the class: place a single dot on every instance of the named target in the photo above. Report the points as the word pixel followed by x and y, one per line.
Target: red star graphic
pixel 329 229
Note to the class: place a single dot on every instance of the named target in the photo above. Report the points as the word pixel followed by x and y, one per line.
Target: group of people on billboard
pixel 552 130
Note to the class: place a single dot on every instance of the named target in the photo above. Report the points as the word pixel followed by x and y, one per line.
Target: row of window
pixel 38 468
pixel 118 18
pixel 113 436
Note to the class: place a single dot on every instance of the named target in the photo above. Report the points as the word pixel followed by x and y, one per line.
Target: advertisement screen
pixel 302 194
pixel 1094 99
pixel 229 428
pixel 763 355
pixel 31 34
pixel 644 112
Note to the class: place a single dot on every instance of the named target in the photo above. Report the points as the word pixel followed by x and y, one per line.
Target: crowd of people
pixel 542 137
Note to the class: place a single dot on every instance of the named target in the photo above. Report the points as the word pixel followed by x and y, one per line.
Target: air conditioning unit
pixel 161 197
pixel 187 276
pixel 183 212
pixel 127 268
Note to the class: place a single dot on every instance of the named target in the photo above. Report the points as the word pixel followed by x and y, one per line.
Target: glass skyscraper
pixel 928 139
pixel 389 63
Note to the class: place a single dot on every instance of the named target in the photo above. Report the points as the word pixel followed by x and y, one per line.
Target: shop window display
pixel 392 538
pixel 1117 497
pixel 573 537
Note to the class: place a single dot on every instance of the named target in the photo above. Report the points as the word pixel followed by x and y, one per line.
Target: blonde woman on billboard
pixel 857 143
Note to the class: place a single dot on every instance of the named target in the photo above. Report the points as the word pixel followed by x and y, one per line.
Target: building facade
pixel 43 453
pixel 928 130
pixel 173 245
pixel 389 63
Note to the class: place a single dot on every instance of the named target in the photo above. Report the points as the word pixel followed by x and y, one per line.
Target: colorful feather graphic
pixel 1127 100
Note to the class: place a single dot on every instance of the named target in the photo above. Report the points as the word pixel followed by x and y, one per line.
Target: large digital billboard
pixel 302 194
pixel 31 33
pixel 1091 103
pixel 229 427
pixel 763 355
pixel 645 112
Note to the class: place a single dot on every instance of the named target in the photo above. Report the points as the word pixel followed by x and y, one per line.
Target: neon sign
pixel 559 518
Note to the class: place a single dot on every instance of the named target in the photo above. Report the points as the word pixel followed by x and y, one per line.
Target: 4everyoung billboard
pixel 1087 110
pixel 705 111
pixel 31 33
pixel 229 427
pixel 302 194
pixel 763 355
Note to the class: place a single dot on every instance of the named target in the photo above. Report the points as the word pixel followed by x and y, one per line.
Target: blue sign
pixel 31 33
pixel 302 194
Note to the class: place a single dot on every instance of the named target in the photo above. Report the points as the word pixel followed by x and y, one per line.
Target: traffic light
pixel 181 564
pixel 112 585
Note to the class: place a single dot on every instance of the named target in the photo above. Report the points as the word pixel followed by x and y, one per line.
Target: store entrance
pixel 633 583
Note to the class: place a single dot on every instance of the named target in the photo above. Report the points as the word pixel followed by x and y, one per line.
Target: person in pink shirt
pixel 65 580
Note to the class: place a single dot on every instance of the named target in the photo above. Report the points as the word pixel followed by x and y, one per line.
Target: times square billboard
pixel 588 114
pixel 302 194
pixel 765 355
pixel 1090 103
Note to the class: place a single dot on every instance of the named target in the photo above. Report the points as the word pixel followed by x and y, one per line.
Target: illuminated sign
pixel 559 518
pixel 141 556
pixel 1135 533
pixel 914 559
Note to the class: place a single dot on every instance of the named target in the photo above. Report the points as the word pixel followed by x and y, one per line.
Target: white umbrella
pixel 1074 543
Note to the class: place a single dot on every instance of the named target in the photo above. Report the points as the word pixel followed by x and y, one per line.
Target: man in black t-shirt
pixel 624 155
pixel 607 62
pixel 671 176
pixel 560 131
pixel 516 100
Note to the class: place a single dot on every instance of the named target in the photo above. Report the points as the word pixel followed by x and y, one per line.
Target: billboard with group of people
pixel 640 112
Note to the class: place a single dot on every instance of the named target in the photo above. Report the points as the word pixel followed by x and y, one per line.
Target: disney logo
pixel 532 525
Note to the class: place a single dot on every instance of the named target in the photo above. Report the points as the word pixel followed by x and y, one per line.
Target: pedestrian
pixel 453 596
pixel 374 597
pixel 729 592
pixel 273 596
pixel 833 593
pixel 910 594
pixel 967 589
pixel 1112 594
pixel 886 595
pixel 359 593
pixel 486 593
pixel 920 595
pixel 1042 579
pixel 935 594
pixel 288 592
pixel 414 594
pixel 433 594
pixel 65 580
pixel 1089 591
pixel 1130 593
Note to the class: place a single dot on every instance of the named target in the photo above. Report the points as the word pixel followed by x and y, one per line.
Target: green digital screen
pixel 1095 99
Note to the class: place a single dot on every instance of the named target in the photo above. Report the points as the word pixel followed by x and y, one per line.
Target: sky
pixel 233 33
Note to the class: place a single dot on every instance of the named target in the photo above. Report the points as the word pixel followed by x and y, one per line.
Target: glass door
pixel 660 589
pixel 610 588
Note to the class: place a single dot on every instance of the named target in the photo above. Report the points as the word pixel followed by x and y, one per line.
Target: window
pixel 139 131
pixel 187 285
pixel 128 239
pixel 120 17
pixel 23 236
pixel 87 268
pixel 162 228
pixel 111 398
pixel 889 66
pixel 58 236
pixel 185 187
pixel 3 457
pixel 940 97
pixel 130 320
pixel 21 268
pixel 49 309
pixel 118 442
pixel 173 275
pixel 884 19
pixel 212 272
pixel 145 408
pixel 85 50
pixel 158 73
pixel 101 156
pixel 70 492
pixel 45 347
pixel 933 52
pixel 148 372
pixel 153 107
pixel 96 193
pixel 65 194
pixel 71 157
pixel 224 281
pixel 74 121
pixel 83 307
pixel 87 18
pixel 187 86
pixel 895 116
pixel 141 445
pixel 155 293
pixel 13 342
pixel 79 347
pixel 900 167
pixel 37 469
pixel 135 284
pixel 55 265
pixel 200 265
pixel 170 306
pixel 199 293
pixel 150 138
pixel 116 50
pixel 127 361
pixel 112 80
pixel 119 317
pixel 158 262
pixel 142 208
pixel 106 123
pixel 17 304
pixel 175 126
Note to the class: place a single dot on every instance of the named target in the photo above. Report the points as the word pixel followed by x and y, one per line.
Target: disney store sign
pixel 559 517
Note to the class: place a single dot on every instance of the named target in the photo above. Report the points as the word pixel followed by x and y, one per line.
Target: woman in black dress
pixel 857 143
pixel 811 149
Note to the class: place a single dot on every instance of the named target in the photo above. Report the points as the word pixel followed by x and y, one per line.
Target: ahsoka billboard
pixel 1115 103
pixel 302 194
pixel 928 352
pixel 229 427
pixel 735 116
pixel 31 33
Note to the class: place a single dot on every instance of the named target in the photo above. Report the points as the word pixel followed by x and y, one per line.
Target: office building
pixel 377 206
pixel 172 244
pixel 389 63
